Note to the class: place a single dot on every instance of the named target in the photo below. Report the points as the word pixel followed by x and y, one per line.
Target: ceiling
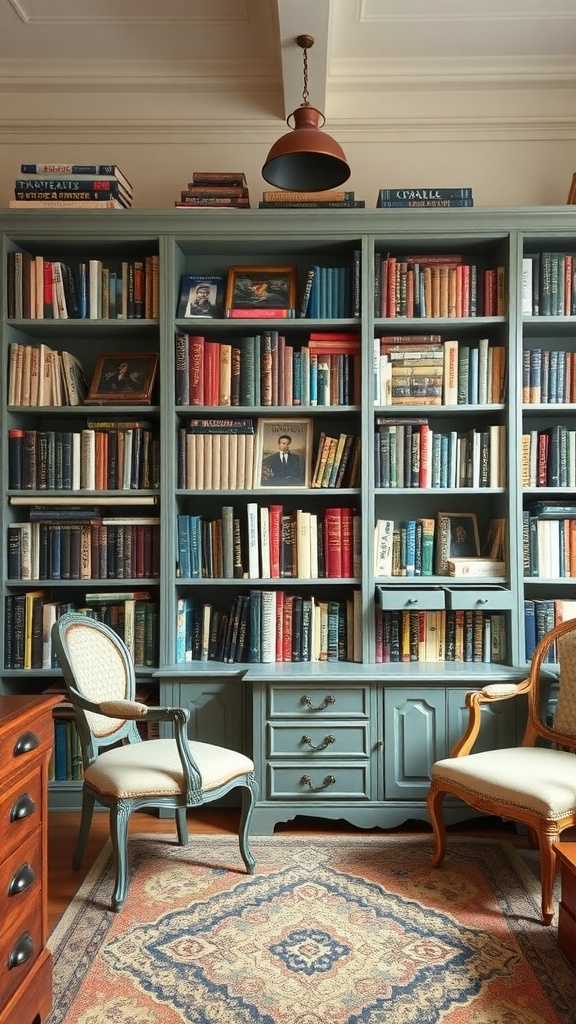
pixel 238 58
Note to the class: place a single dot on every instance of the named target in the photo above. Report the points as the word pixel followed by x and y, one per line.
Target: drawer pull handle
pixel 412 600
pixel 308 702
pixel 25 743
pixel 23 808
pixel 22 880
pixel 328 781
pixel 321 746
pixel 482 600
pixel 21 952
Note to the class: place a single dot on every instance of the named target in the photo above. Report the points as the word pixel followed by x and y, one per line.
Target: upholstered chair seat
pixel 533 783
pixel 121 770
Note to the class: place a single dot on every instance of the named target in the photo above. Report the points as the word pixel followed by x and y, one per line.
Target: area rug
pixel 343 929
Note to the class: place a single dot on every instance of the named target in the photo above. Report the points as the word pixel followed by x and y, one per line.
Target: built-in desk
pixel 566 853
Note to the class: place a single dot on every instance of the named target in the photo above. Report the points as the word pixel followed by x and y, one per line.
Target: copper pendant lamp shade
pixel 306 158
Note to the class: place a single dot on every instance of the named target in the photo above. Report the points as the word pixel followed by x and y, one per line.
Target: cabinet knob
pixel 328 781
pixel 21 952
pixel 308 702
pixel 25 743
pixel 321 746
pixel 23 878
pixel 23 808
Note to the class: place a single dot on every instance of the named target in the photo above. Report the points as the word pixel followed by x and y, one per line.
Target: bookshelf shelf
pixel 414 707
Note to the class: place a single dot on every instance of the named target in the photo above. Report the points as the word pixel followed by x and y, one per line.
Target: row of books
pixel 29 617
pixel 92 459
pixel 107 547
pixel 338 199
pixel 214 190
pixel 549 457
pixel 269 542
pixel 428 546
pixel 55 185
pixel 437 285
pixel 419 198
pixel 124 289
pixel 337 461
pixel 409 453
pixel 540 616
pixel 425 369
pixel 548 376
pixel 452 635
pixel 332 291
pixel 265 370
pixel 267 626
pixel 549 544
pixel 65 763
pixel 548 284
pixel 40 376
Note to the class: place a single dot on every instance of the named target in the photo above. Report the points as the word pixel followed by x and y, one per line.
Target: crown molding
pixel 475 73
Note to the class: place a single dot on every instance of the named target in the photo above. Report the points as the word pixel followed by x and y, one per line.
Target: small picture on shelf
pixel 201 295
pixel 458 537
pixel 270 289
pixel 283 453
pixel 124 378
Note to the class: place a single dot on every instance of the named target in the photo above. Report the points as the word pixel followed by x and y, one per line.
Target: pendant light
pixel 306 159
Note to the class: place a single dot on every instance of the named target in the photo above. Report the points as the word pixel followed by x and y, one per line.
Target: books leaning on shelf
pixel 452 635
pixel 424 369
pixel 214 190
pixel 332 292
pixel 41 376
pixel 39 288
pixel 420 198
pixel 93 183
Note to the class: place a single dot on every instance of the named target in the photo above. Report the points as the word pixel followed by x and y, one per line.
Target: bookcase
pixel 372 689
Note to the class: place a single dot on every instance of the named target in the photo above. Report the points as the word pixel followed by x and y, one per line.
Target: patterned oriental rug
pixel 343 929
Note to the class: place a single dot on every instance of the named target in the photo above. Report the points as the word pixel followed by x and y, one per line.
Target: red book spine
pixel 275 528
pixel 196 371
pixel 347 542
pixel 279 625
pixel 333 542
pixel 48 294
pixel 287 627
pixel 211 373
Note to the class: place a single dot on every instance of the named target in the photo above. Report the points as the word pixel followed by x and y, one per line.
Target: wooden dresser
pixel 26 739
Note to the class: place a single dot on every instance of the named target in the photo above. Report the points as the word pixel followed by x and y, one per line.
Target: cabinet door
pixel 215 707
pixel 500 727
pixel 414 737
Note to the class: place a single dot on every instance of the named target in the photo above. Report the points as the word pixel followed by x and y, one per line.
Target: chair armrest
pixel 180 718
pixel 132 709
pixel 490 694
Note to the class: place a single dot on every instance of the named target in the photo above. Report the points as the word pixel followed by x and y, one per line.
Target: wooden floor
pixel 63 882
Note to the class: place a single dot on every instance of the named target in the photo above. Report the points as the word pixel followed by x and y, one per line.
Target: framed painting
pixel 283 453
pixel 201 295
pixel 269 291
pixel 124 378
pixel 457 537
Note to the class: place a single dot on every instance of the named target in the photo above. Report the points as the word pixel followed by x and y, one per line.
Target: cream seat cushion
pixel 532 778
pixel 154 768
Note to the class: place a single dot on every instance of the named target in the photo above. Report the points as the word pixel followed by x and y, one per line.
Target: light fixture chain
pixel 305 93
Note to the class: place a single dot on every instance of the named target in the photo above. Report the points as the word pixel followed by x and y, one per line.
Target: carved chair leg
pixel 548 864
pixel 181 826
pixel 119 817
pixel 85 822
pixel 249 794
pixel 435 801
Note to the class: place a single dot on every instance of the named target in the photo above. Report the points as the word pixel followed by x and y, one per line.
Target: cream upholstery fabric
pixel 565 715
pixel 154 768
pixel 124 709
pixel 99 673
pixel 533 778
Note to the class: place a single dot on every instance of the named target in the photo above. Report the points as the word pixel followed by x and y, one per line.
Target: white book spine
pixel 268 627
pixel 265 542
pixel 253 555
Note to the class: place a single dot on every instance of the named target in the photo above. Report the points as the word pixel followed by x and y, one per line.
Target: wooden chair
pixel 534 783
pixel 122 772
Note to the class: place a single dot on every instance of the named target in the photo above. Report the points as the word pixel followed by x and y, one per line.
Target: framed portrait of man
pixel 201 295
pixel 457 538
pixel 283 453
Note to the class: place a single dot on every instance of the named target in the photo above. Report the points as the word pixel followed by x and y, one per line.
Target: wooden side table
pixel 566 853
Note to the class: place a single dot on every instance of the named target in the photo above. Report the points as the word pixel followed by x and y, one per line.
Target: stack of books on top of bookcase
pixel 421 198
pixel 276 199
pixel 72 186
pixel 215 190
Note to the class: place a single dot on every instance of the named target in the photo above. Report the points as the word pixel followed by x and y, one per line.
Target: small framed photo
pixel 457 537
pixel 201 295
pixel 125 378
pixel 283 453
pixel 261 288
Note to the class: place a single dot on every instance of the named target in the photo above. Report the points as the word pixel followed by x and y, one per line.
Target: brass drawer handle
pixel 23 808
pixel 321 746
pixel 328 781
pixel 24 877
pixel 308 702
pixel 25 743
pixel 22 951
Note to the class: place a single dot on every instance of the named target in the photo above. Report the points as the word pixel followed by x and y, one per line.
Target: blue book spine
pixel 424 194
pixel 60 750
pixel 183 530
pixel 473 377
pixel 297 379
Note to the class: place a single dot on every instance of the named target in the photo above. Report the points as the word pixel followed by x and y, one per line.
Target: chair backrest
pixel 562 641
pixel 97 667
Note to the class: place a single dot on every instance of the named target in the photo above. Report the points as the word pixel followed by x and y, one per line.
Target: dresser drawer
pixel 20 939
pixel 312 782
pixel 481 599
pixel 22 745
pixel 21 810
pixel 318 741
pixel 306 702
pixel 411 599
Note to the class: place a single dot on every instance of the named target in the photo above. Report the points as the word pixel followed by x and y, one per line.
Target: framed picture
pixel 457 538
pixel 126 377
pixel 261 288
pixel 283 453
pixel 201 295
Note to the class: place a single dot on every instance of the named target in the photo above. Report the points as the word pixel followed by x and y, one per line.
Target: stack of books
pixel 215 190
pixel 419 198
pixel 281 200
pixel 72 186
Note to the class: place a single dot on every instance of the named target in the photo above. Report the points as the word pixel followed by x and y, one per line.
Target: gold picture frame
pixel 260 290
pixel 124 378
pixel 456 537
pixel 283 453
